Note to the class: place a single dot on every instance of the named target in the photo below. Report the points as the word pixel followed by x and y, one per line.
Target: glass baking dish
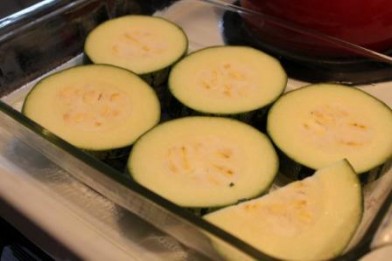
pixel 50 38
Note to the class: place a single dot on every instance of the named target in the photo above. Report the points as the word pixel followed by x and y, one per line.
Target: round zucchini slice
pixel 312 219
pixel 94 107
pixel 201 162
pixel 322 123
pixel 227 80
pixel 146 45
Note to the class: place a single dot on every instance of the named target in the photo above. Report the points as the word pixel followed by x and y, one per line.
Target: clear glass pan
pixel 51 38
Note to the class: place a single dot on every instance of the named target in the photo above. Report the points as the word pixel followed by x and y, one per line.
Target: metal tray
pixel 50 38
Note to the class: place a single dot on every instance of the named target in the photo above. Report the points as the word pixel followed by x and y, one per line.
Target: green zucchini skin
pixel 294 165
pixel 294 170
pixel 158 78
pixel 226 56
pixel 155 77
pixel 256 118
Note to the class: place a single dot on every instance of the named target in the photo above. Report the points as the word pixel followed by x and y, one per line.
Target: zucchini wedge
pixel 204 162
pixel 227 81
pixel 146 45
pixel 312 219
pixel 322 123
pixel 94 107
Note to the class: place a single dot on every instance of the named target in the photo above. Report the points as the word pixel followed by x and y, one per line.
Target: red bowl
pixel 367 23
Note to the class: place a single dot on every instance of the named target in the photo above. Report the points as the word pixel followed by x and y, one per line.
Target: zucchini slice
pixel 146 45
pixel 94 107
pixel 200 162
pixel 312 219
pixel 227 80
pixel 322 123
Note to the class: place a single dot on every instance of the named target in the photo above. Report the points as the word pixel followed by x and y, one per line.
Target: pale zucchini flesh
pixel 146 45
pixel 94 107
pixel 201 162
pixel 227 80
pixel 312 219
pixel 319 124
